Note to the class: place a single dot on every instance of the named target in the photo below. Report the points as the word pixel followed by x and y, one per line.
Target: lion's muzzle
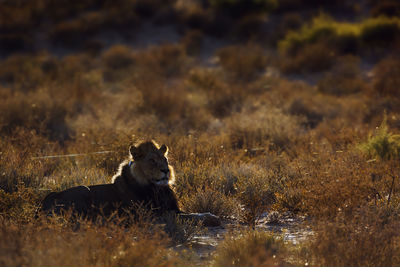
pixel 165 179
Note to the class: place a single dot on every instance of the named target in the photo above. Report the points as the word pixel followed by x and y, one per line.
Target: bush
pixel 382 144
pixel 256 196
pixel 166 60
pixel 27 73
pixel 74 31
pixel 290 22
pixel 211 200
pixel 14 154
pixel 345 78
pixel 307 109
pixel 218 96
pixel 311 58
pixel 180 230
pixel 118 57
pixel 193 42
pixel 251 27
pixel 243 62
pixel 56 243
pixel 328 183
pixel 322 29
pixel 367 238
pixel 380 32
pixel 386 80
pixel 251 248
pixel 274 130
pixel 71 67
pixel 389 8
pixel 20 205
pixel 343 37
pixel 37 112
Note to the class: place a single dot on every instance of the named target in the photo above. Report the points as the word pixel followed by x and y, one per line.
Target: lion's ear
pixel 164 149
pixel 135 152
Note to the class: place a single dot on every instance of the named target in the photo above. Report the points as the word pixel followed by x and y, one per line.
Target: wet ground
pixel 293 229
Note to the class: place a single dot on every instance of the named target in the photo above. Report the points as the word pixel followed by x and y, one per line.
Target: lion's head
pixel 150 164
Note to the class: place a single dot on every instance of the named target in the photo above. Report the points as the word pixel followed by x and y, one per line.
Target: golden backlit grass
pixel 242 142
pixel 237 158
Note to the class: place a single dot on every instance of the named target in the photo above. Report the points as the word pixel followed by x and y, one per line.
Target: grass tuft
pixel 382 144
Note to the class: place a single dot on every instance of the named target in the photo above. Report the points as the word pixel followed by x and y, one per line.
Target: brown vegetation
pixel 244 139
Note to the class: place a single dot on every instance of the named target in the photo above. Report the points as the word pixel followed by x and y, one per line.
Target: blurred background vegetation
pixel 286 106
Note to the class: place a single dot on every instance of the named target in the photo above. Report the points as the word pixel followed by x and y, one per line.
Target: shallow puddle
pixel 203 246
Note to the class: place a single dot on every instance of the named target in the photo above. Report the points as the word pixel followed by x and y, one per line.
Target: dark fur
pixel 106 199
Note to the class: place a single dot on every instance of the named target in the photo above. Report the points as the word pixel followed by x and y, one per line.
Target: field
pixel 279 115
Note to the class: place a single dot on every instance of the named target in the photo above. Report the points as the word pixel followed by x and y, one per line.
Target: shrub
pixel 250 248
pixel 27 73
pixel 382 144
pixel 311 58
pixel 328 183
pixel 386 80
pixel 166 60
pixel 321 29
pixel 369 237
pixel 290 22
pixel 57 243
pixel 14 155
pixel 307 109
pixel 72 66
pixel 21 205
pixel 72 32
pixel 192 15
pixel 38 112
pixel 211 200
pixel 193 42
pixel 256 196
pixel 273 130
pixel 380 31
pixel 251 28
pixel 343 37
pixel 242 62
pixel 345 78
pixel 118 57
pixel 168 103
pixel 219 97
pixel 180 230
pixel 119 61
pixel 390 8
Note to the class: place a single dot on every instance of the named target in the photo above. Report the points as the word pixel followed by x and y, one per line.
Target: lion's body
pixel 144 181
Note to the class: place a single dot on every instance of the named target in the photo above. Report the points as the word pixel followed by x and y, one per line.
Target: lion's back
pixel 84 200
pixel 76 198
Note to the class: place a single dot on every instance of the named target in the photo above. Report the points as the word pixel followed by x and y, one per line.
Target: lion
pixel 144 179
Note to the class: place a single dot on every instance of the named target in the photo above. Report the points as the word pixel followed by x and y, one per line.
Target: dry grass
pixel 368 238
pixel 243 62
pixel 242 140
pixel 311 58
pixel 250 248
pixel 316 45
pixel 52 243
pixel 386 79
pixel 344 78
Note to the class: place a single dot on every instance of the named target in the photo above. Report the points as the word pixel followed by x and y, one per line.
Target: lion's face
pixel 151 164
